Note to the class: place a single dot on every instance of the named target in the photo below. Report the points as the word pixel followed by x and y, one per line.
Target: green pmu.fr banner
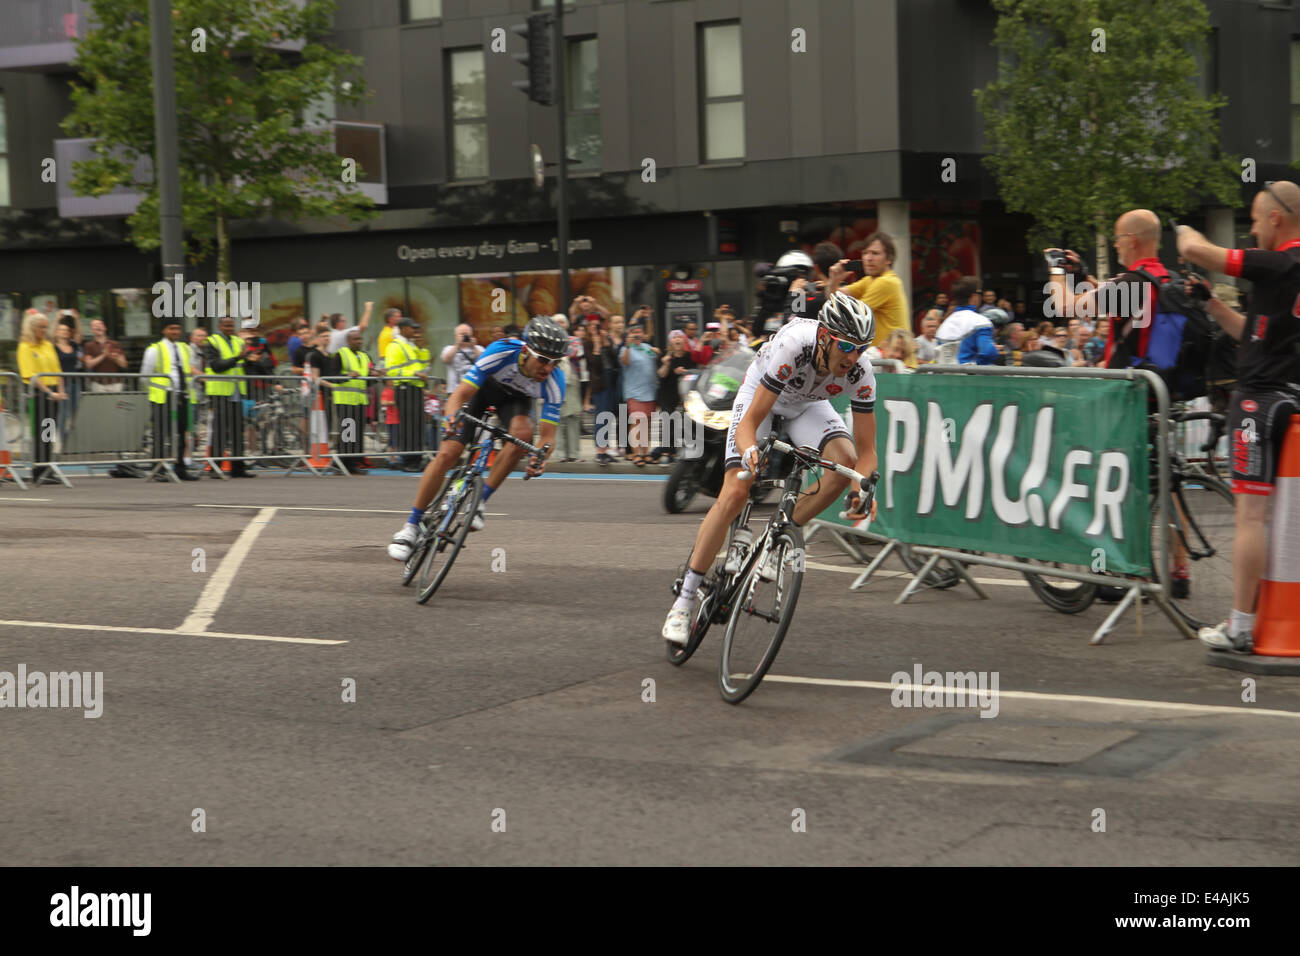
pixel 1050 469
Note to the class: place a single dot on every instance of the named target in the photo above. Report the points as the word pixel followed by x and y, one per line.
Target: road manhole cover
pixel 1019 743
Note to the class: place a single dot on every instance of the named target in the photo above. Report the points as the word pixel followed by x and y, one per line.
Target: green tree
pixel 1097 110
pixel 249 115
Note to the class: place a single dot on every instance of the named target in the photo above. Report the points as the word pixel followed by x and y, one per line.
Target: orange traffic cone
pixel 320 450
pixel 1277 619
pixel 6 467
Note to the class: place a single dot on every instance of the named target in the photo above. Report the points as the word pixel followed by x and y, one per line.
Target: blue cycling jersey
pixel 500 362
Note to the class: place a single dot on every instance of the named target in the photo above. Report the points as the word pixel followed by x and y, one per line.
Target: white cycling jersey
pixel 786 365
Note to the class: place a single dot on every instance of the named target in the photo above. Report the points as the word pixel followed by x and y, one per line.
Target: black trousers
pixel 351 420
pixel 410 422
pixel 166 441
pixel 44 410
pixel 228 429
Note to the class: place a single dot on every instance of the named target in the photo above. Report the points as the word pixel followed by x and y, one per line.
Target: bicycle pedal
pixel 677 588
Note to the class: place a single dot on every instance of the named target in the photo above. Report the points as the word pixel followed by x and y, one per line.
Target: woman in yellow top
pixel 36 354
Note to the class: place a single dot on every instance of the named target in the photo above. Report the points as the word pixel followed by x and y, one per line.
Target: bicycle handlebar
pixel 543 452
pixel 865 483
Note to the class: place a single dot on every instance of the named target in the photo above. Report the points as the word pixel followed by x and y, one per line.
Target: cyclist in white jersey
pixel 794 375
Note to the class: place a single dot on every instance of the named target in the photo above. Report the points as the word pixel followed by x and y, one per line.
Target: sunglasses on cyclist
pixel 850 348
pixel 541 358
pixel 1268 188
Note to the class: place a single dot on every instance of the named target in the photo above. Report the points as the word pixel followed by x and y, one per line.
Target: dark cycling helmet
pixel 848 318
pixel 545 337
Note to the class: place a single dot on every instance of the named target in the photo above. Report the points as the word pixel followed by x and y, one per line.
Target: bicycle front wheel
pixel 448 536
pixel 760 615
pixel 1201 530
pixel 425 542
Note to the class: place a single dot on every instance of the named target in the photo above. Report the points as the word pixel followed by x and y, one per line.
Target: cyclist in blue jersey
pixel 511 375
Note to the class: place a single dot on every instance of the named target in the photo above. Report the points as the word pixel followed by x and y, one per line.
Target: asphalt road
pixel 516 698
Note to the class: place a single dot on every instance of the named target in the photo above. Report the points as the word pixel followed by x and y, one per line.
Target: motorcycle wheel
pixel 681 487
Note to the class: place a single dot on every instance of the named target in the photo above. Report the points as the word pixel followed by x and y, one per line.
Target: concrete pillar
pixel 894 216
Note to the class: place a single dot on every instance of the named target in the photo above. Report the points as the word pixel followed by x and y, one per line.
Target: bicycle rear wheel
pixel 1207 528
pixel 448 536
pixel 760 616
pixel 1062 594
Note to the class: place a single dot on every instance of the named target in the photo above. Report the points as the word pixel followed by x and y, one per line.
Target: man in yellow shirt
pixel 391 318
pixel 403 365
pixel 879 287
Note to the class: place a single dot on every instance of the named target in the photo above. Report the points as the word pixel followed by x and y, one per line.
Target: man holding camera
pixel 1268 391
pixel 880 288
pixel 460 356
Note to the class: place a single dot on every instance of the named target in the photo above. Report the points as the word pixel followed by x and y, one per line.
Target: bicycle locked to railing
pixel 757 600
pixel 447 520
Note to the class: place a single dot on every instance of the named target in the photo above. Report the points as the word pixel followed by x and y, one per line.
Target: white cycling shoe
pixel 768 569
pixel 403 543
pixel 678 626
pixel 476 522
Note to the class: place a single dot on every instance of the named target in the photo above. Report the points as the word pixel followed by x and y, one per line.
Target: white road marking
pixel 173 632
pixel 365 511
pixel 3 500
pixel 215 592
pixel 1005 582
pixel 1037 696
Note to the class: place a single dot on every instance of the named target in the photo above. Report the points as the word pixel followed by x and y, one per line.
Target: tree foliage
pixel 1097 110
pixel 250 116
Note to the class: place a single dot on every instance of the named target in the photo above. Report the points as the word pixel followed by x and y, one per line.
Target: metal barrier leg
pixel 1112 619
pixel 865 576
pixel 914 585
pixel 960 568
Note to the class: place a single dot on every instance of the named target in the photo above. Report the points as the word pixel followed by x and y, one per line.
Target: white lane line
pixel 360 511
pixel 215 592
pixel 1005 582
pixel 1035 695
pixel 4 500
pixel 173 632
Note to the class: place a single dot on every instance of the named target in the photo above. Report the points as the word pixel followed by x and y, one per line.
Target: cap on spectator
pixel 169 321
pixel 406 322
pixel 713 326
pixel 676 334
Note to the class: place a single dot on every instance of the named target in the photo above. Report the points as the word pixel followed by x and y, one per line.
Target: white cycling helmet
pixel 848 318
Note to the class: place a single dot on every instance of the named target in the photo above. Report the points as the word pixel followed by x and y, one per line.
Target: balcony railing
pixel 363 142
pixel 40 34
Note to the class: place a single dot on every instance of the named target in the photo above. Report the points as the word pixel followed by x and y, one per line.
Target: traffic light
pixel 540 85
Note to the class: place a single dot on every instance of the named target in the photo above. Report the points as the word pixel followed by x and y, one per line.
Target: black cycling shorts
pixel 1258 422
pixel 507 402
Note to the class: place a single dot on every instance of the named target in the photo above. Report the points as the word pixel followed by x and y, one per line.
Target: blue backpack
pixel 1179 347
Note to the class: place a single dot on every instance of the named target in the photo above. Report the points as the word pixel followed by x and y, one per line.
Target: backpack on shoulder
pixel 1180 346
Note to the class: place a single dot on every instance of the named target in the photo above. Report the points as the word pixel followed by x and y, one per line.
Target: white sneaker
pixel 476 522
pixel 740 543
pixel 1220 639
pixel 403 542
pixel 678 626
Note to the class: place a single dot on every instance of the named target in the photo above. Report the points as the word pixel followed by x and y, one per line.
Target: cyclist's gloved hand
pixel 749 460
pixel 536 465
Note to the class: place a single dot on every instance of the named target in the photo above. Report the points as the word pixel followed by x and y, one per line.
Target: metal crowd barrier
pixel 102 421
pixel 15 433
pixel 1134 587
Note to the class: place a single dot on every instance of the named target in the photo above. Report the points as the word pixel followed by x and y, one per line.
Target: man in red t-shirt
pixel 1268 383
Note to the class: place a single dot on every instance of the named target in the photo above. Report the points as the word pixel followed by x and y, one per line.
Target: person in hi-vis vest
pixel 169 370
pixel 224 351
pixel 350 399
pixel 403 366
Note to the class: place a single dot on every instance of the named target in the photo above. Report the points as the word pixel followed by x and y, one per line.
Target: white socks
pixel 1239 622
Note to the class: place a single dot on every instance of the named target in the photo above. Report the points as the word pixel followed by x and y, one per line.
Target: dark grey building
pixel 709 135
